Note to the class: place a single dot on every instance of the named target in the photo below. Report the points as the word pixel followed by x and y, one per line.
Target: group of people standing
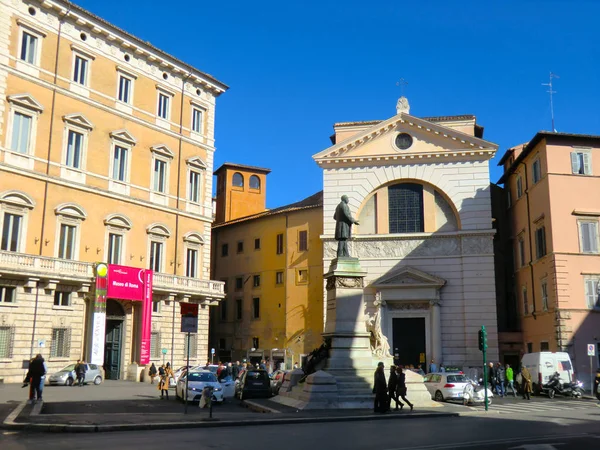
pixel 164 373
pixel 393 389
pixel 502 377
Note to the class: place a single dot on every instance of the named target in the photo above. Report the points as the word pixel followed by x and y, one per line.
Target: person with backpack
pixel 152 372
pixel 500 380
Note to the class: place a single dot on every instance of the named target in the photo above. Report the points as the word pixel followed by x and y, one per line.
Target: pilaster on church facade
pixel 420 190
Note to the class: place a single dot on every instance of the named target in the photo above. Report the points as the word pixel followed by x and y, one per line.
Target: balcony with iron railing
pixel 32 267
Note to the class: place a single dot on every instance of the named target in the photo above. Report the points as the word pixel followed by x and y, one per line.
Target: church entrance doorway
pixel 113 342
pixel 409 341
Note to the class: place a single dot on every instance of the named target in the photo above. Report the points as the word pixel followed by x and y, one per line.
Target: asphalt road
pixel 563 430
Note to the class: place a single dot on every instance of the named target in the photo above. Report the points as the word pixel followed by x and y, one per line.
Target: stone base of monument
pixel 347 380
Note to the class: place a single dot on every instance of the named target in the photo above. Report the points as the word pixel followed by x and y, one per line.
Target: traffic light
pixel 482 339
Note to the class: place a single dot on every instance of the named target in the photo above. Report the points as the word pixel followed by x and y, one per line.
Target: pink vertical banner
pixel 146 318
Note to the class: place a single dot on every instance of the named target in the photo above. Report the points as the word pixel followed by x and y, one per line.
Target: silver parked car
pixel 66 376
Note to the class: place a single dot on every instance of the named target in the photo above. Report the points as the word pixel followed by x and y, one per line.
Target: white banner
pixel 98 337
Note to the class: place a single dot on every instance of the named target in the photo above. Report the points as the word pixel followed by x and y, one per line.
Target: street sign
pixel 189 324
pixel 164 351
pixel 591 349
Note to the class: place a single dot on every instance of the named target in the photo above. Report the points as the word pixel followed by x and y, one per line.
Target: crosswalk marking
pixel 536 407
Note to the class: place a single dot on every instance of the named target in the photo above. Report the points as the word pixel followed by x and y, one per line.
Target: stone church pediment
pixel 408 277
pixel 406 137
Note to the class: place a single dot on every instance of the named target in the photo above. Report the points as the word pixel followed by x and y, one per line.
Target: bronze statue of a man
pixel 343 225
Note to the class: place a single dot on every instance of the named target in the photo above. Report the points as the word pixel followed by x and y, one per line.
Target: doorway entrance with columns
pixel 411 315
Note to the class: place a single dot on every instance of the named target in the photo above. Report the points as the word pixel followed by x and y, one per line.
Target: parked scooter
pixel 474 393
pixel 554 386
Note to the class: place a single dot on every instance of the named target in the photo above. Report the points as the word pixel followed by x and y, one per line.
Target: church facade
pixel 419 188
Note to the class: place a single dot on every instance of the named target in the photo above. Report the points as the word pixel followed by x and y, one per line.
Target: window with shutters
pixel 519 186
pixel 155 350
pixel 239 283
pixel 540 242
pixel 238 309
pixel 11 232
pixel 6 341
pixel 193 346
pixel 521 253
pixel 278 277
pixel 525 304
pixel 256 308
pixel 588 236
pixel 303 241
pixel 223 307
pixel 61 343
pixel 537 171
pixel 592 292
pixel 544 347
pixel 280 244
pixel 62 298
pixel 544 295
pixel 581 162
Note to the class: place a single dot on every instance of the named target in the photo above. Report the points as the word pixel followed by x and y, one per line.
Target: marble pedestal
pixel 347 380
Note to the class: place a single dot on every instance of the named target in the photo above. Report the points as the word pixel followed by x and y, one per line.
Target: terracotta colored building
pixel 271 263
pixel 106 154
pixel 552 184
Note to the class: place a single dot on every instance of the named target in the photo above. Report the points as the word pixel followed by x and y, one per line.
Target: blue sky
pixel 295 68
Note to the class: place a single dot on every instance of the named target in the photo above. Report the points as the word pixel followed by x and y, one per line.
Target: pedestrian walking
pixel 37 375
pixel 510 380
pixel 492 377
pixel 401 388
pixel 393 388
pixel 152 372
pixel 500 380
pixel 80 370
pixel 380 390
pixel 163 384
pixel 235 370
pixel 527 387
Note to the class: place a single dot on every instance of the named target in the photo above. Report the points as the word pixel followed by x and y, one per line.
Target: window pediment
pixel 193 238
pixel 78 120
pixel 123 136
pixel 31 27
pixel 158 229
pixel 25 101
pixel 196 162
pixel 162 150
pixel 71 210
pixel 118 221
pixel 17 198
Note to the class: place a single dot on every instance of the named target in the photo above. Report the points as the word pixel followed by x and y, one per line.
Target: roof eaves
pixel 73 6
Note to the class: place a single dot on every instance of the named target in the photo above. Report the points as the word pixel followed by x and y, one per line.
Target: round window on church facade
pixel 404 141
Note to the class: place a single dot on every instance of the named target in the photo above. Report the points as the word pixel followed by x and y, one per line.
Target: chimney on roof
pixel 402 106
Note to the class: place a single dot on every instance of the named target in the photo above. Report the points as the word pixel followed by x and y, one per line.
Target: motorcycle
pixel 474 393
pixel 554 386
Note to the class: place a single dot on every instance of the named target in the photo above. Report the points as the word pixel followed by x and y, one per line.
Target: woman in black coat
pixel 393 388
pixel 380 390
pixel 401 389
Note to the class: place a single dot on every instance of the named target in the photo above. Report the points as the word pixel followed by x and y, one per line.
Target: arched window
pixel 238 180
pixel 406 208
pixel 117 227
pixel 193 254
pixel 254 182
pixel 69 216
pixel 157 242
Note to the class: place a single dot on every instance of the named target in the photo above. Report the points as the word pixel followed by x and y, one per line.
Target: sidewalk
pixel 95 408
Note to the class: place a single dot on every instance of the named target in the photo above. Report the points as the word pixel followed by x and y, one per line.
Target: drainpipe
pixel 177 204
pixel 533 312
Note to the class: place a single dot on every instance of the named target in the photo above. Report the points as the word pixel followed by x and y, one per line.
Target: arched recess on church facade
pixel 407 205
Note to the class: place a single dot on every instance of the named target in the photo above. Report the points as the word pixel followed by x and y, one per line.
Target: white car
pixel 446 386
pixel 197 381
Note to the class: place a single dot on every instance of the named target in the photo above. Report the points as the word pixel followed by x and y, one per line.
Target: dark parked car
pixel 253 383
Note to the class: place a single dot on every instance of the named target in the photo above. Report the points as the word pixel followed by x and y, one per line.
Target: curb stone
pixel 10 423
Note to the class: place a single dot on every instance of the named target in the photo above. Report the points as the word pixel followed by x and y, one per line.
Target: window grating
pixel 61 343
pixel 193 346
pixel 6 341
pixel 406 208
pixel 155 344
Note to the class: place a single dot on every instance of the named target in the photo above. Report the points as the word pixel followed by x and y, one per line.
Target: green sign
pixel 164 351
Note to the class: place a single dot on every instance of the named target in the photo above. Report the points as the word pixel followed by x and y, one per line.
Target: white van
pixel 542 366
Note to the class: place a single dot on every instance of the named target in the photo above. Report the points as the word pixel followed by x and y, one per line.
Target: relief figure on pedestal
pixel 343 227
pixel 379 343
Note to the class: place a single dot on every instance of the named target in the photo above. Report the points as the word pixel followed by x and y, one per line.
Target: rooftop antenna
pixel 550 91
pixel 402 83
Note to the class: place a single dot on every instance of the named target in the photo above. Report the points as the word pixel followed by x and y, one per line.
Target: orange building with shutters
pixel 552 185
